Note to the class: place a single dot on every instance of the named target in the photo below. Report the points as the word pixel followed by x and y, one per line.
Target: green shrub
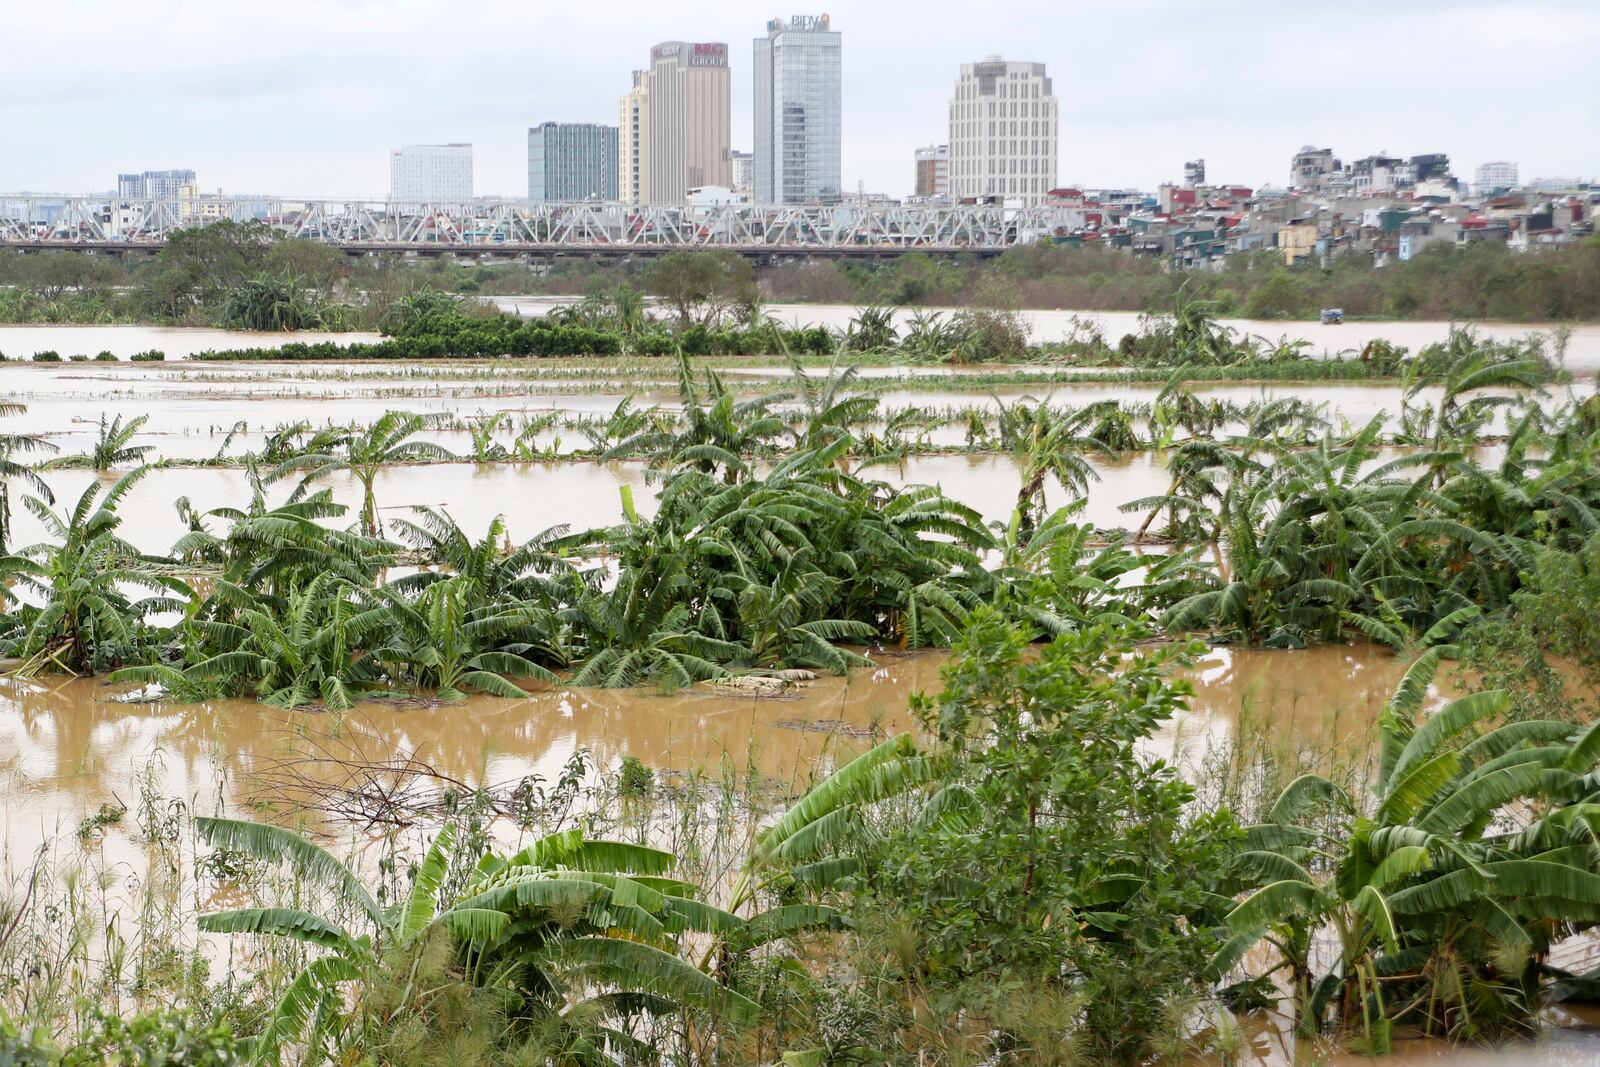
pixel 47 357
pixel 152 356
pixel 106 357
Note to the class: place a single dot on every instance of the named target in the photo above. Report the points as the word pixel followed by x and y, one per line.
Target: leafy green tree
pixel 1054 849
pixel 701 287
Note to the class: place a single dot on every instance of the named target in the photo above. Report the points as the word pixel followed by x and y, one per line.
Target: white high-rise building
pixel 633 142
pixel 1004 128
pixel 1496 175
pixel 431 174
pixel 799 113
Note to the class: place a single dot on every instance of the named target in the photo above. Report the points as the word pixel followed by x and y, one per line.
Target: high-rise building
pixel 1494 176
pixel 431 174
pixel 744 172
pixel 1194 173
pixel 1004 124
pixel 690 123
pixel 799 112
pixel 571 161
pixel 633 142
pixel 933 170
pixel 157 185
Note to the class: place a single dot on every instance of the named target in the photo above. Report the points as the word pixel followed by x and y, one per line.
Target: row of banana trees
pixel 761 559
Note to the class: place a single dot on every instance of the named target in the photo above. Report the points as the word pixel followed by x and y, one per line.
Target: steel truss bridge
pixel 531 229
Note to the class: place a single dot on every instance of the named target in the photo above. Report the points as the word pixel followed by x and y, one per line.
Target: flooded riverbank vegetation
pixel 1018 878
pixel 247 277
pixel 1022 874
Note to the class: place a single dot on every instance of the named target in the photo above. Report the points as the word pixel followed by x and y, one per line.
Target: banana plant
pixel 11 445
pixel 86 620
pixel 586 930
pixel 1470 860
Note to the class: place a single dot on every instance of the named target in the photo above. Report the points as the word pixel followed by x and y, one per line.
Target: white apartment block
pixel 1496 175
pixel 431 174
pixel 1004 131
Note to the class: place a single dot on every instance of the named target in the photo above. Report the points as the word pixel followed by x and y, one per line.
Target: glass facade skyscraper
pixel 799 109
pixel 569 161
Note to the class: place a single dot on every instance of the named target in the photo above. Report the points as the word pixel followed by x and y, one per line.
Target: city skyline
pixel 294 107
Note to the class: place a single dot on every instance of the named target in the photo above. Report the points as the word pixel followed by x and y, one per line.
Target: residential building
pixel 744 173
pixel 1380 174
pixel 799 112
pixel 633 142
pixel 431 174
pixel 933 171
pixel 1297 240
pixel 1004 123
pixel 572 161
pixel 1495 177
pixel 1194 173
pixel 1312 168
pixel 690 119
pixel 1434 166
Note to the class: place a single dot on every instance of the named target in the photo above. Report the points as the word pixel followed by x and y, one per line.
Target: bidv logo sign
pixel 800 22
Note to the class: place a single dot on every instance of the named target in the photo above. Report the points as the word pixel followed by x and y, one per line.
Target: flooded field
pixel 1583 345
pixel 69 748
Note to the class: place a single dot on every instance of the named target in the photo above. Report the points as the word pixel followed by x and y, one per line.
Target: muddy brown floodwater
pixel 69 745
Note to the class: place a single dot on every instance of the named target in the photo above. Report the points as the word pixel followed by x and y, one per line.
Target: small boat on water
pixel 1332 316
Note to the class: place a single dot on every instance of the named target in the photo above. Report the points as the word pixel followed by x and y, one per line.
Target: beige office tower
pixel 633 142
pixel 690 119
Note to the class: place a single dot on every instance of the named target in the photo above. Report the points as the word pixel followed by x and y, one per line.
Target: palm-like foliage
pixel 11 446
pixel 364 453
pixel 447 641
pixel 1474 380
pixel 272 302
pixel 584 929
pixel 1046 443
pixel 717 434
pixel 85 619
pixel 112 447
pixel 309 647
pixel 1472 858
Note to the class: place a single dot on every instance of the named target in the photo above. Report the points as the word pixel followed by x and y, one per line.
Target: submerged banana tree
pixel 12 445
pixel 1446 891
pixel 585 933
pixel 86 620
pixel 364 454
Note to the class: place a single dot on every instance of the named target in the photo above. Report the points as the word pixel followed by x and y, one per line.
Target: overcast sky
pixel 304 97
